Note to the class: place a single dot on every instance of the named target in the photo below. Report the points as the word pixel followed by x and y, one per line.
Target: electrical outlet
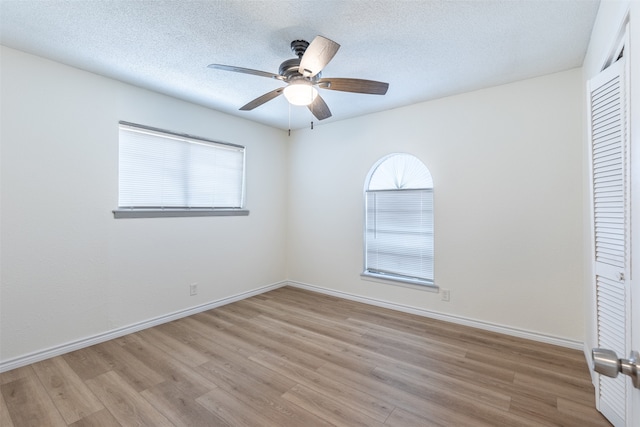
pixel 193 289
pixel 445 295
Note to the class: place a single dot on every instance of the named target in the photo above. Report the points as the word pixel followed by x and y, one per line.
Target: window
pixel 168 174
pixel 399 221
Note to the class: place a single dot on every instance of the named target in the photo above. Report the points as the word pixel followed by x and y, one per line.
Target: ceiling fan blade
pixel 354 85
pixel 245 71
pixel 262 99
pixel 319 108
pixel 317 56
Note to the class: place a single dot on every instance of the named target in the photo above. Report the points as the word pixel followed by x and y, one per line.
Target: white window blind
pixel 400 233
pixel 163 170
pixel 399 221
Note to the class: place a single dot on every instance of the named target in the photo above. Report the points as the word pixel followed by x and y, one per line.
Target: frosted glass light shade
pixel 300 93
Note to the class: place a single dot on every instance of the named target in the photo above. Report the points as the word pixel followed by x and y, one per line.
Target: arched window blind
pixel 163 170
pixel 399 220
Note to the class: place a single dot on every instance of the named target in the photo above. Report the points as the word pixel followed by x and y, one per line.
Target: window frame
pixel 181 211
pixel 390 278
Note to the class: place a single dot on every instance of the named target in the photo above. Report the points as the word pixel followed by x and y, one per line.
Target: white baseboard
pixel 120 332
pixel 116 333
pixel 507 330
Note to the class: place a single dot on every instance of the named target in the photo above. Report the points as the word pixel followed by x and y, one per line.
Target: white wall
pixel 507 170
pixel 506 162
pixel 69 269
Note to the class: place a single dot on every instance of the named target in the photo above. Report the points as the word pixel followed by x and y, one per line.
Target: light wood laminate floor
pixel 291 357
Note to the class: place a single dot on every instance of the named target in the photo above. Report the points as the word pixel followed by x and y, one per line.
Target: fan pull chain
pixel 289 119
pixel 311 125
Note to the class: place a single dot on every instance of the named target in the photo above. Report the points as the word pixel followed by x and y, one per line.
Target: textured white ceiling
pixel 423 49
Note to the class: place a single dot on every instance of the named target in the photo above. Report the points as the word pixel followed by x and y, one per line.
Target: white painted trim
pixel 487 326
pixel 38 356
pixel 587 356
pixel 369 277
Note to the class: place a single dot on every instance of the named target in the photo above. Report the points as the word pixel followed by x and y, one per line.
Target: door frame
pixel 633 396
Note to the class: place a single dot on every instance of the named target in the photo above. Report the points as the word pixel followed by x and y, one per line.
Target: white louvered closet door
pixel 610 172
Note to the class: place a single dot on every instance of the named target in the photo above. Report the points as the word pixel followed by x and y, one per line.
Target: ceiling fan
pixel 303 78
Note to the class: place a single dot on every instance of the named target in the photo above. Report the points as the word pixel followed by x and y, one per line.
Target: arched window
pixel 399 220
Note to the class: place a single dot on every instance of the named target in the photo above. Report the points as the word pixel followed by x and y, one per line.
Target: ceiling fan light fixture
pixel 300 92
pixel 303 76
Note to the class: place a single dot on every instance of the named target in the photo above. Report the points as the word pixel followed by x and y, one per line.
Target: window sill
pixel 407 283
pixel 174 213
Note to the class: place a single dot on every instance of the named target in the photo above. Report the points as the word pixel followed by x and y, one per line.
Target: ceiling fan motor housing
pixel 289 69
